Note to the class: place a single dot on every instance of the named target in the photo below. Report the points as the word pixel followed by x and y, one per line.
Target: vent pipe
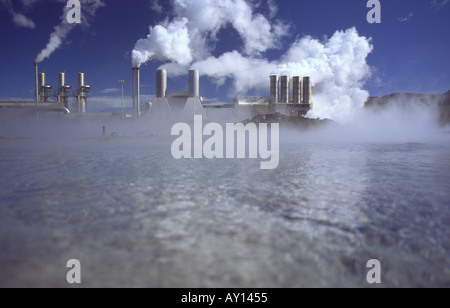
pixel 161 104
pixel 63 90
pixel 161 83
pixel 41 81
pixel 82 91
pixel 194 83
pixel 61 80
pixel 307 90
pixel 80 80
pixel 42 89
pixel 37 83
pixel 274 89
pixel 134 90
pixel 284 89
pixel 138 95
pixel 297 89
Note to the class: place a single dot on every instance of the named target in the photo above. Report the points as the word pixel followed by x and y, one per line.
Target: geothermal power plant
pixel 188 103
pixel 288 96
pixel 62 94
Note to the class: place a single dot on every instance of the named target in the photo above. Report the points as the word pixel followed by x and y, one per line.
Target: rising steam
pixel 337 65
pixel 19 19
pixel 192 34
pixel 88 9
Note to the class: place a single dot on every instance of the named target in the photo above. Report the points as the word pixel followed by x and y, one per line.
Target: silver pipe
pixel 61 80
pixel 37 85
pixel 41 81
pixel 274 89
pixel 284 89
pixel 161 83
pixel 194 83
pixel 138 72
pixel 134 90
pixel 80 80
pixel 307 90
pixel 297 89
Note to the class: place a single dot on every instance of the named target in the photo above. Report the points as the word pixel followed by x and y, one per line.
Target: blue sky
pixel 410 47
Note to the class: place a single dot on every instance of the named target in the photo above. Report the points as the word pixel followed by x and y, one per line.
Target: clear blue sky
pixel 411 45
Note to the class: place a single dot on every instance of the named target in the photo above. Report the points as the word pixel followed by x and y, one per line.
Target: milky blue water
pixel 136 217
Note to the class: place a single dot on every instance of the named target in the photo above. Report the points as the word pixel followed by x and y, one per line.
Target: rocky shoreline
pixel 441 101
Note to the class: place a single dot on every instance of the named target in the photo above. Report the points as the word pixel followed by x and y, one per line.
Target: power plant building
pixel 280 99
pixel 288 96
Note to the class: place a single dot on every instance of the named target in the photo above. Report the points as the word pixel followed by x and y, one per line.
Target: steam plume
pixel 337 69
pixel 88 8
pixel 192 34
pixel 18 18
pixel 337 66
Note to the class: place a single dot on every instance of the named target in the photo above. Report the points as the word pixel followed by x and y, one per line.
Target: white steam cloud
pixel 192 34
pixel 23 21
pixel 337 66
pixel 88 10
pixel 19 19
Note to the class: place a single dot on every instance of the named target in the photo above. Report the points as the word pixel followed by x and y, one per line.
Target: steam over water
pixel 134 216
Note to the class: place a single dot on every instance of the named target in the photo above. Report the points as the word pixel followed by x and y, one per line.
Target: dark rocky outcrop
pixel 439 101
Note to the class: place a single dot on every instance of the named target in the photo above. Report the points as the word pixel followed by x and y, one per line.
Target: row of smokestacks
pixel 161 86
pixel 63 91
pixel 280 90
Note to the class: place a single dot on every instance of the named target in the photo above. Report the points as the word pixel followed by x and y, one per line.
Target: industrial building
pixel 280 99
pixel 288 96
pixel 43 96
pixel 180 104
pixel 191 103
pixel 63 91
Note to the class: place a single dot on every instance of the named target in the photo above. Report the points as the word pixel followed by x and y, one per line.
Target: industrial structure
pixel 183 104
pixel 63 91
pixel 43 90
pixel 82 94
pixel 43 94
pixel 280 99
pixel 288 96
pixel 136 91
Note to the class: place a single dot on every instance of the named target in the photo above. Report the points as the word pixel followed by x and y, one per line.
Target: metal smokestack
pixel 41 88
pixel 194 105
pixel 63 90
pixel 284 88
pixel 297 89
pixel 37 83
pixel 161 104
pixel 274 89
pixel 161 83
pixel 61 80
pixel 194 83
pixel 307 90
pixel 134 90
pixel 80 80
pixel 82 90
pixel 41 80
pixel 138 105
